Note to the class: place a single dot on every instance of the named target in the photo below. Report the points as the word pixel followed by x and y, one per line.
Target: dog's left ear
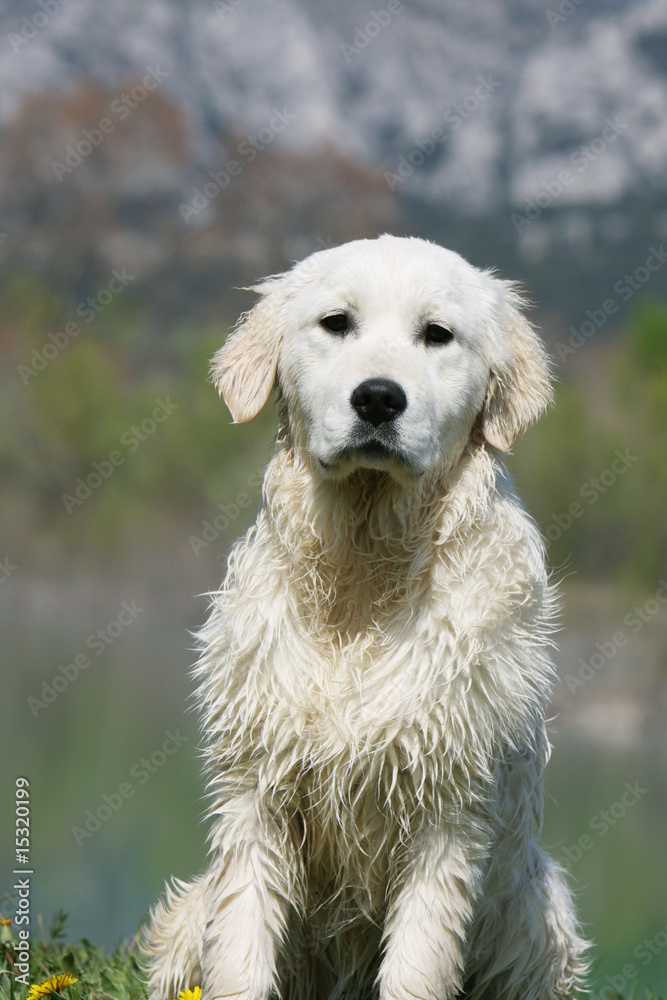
pixel 244 369
pixel 520 387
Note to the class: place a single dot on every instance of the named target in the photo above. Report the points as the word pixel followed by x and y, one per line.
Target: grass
pixel 99 976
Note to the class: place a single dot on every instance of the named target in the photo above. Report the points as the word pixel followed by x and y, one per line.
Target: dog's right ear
pixel 244 369
pixel 520 386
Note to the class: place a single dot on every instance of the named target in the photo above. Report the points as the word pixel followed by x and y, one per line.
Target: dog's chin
pixel 373 455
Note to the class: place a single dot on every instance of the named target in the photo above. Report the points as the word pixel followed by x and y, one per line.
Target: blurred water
pixel 605 820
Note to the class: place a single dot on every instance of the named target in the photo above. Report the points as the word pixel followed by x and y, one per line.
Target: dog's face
pixel 387 352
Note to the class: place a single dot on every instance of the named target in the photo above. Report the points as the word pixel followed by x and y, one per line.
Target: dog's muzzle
pixel 374 439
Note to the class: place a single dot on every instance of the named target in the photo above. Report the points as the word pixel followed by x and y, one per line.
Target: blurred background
pixel 154 157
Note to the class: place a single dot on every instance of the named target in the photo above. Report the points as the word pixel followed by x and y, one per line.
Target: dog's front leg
pixel 250 888
pixel 428 918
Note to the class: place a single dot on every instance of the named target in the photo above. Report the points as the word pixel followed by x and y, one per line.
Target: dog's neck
pixel 357 547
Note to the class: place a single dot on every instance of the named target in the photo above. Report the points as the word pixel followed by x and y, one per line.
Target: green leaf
pixel 69 964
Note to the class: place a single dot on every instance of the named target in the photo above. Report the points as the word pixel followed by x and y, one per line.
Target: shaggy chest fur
pixel 362 709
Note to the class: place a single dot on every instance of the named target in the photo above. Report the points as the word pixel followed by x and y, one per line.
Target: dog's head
pixel 388 353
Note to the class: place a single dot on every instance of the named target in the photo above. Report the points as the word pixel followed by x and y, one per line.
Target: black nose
pixel 378 400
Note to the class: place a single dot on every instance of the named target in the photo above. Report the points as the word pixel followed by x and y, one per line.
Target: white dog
pixel 375 670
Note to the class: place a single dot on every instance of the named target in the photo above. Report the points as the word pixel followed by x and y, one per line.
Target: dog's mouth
pixel 375 450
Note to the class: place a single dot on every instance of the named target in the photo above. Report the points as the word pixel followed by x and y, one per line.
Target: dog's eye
pixel 336 323
pixel 436 334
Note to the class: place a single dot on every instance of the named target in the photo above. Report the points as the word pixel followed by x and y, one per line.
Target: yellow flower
pixel 5 922
pixel 52 985
pixel 194 994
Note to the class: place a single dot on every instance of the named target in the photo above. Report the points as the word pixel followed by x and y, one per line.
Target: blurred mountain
pixel 241 134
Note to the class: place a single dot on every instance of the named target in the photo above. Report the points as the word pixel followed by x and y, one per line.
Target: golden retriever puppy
pixel 375 669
